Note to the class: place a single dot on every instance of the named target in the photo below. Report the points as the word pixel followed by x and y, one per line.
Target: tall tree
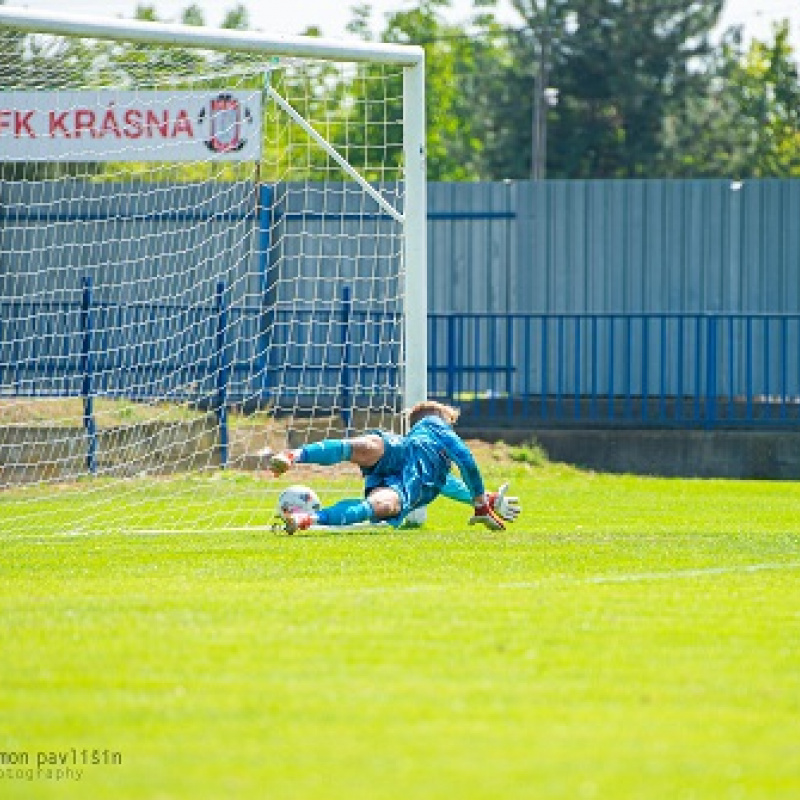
pixel 619 67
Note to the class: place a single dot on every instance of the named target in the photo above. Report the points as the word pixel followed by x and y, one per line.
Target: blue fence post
pixel 223 374
pixel 87 369
pixel 347 310
pixel 510 377
pixel 265 220
pixel 452 358
pixel 711 371
pixel 576 407
pixel 784 351
pixel 4 364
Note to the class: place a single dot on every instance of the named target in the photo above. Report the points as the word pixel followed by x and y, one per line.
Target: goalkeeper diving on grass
pixel 402 473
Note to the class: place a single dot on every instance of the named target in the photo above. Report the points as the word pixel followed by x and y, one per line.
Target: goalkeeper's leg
pixel 365 451
pixel 382 504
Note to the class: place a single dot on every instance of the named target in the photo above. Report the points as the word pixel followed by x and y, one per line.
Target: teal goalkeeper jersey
pixel 432 446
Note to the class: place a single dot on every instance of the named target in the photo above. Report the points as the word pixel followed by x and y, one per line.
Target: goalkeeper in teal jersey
pixel 402 473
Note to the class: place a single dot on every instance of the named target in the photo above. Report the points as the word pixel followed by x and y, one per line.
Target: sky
pixel 294 16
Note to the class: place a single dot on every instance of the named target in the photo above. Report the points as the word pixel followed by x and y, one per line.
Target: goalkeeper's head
pixel 430 408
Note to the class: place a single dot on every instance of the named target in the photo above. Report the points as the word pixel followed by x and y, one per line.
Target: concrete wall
pixel 751 455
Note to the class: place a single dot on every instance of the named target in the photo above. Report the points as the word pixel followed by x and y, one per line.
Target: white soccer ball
pixel 298 499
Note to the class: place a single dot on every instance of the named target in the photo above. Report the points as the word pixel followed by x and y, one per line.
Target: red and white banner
pixel 130 126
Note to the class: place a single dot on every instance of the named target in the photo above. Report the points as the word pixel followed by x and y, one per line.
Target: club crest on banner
pixel 228 123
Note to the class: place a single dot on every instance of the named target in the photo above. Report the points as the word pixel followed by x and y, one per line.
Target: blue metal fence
pixel 644 370
pixel 636 370
pixel 146 351
pixel 502 258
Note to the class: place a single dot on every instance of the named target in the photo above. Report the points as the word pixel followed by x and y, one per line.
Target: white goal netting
pixel 201 256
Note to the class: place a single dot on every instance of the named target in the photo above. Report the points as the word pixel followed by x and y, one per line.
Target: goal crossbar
pixel 191 36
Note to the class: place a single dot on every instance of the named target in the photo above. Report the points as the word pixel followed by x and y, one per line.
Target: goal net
pixel 212 244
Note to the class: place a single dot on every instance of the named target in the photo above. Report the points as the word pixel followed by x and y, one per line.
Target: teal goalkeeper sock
pixel 326 453
pixel 346 512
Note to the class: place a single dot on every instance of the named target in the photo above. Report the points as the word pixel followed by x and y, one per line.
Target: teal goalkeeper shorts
pixel 411 467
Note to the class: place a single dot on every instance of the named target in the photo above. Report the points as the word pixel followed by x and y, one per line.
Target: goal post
pixel 211 242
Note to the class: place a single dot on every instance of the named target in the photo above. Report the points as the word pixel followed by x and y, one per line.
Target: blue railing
pixel 635 370
pixel 686 370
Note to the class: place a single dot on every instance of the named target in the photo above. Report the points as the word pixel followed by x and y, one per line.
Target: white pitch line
pixel 74 534
pixel 591 580
pixel 597 580
pixel 270 528
pixel 702 572
pixel 666 575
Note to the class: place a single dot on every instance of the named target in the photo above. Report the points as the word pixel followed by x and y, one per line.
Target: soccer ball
pixel 298 499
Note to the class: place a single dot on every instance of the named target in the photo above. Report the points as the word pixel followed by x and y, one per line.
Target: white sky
pixel 294 16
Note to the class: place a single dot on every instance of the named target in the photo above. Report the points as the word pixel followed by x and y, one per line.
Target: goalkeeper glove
pixel 484 515
pixel 508 508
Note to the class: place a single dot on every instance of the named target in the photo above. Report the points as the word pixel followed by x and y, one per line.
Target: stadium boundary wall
pixel 600 274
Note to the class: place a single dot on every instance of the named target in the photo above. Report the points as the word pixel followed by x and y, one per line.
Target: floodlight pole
pixel 539 127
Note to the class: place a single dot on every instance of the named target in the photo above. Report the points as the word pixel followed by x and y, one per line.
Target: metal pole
pixel 347 399
pixel 223 374
pixel 172 35
pixel 539 143
pixel 87 368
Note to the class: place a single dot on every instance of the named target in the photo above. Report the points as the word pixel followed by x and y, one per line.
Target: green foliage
pixel 29 63
pixel 192 15
pixel 642 92
pixel 628 637
pixel 747 125
pixel 765 87
pixel 453 144
pixel 620 70
pixel 237 19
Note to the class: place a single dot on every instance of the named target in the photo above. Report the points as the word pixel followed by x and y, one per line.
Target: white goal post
pixel 212 242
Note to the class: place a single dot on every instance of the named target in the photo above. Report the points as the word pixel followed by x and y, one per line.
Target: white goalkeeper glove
pixel 508 508
pixel 484 515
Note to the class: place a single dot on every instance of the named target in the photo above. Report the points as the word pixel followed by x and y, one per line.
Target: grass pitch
pixel 627 638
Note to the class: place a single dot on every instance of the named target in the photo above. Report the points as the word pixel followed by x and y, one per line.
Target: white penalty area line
pixel 667 575
pixel 99 534
pixel 590 580
pixel 275 528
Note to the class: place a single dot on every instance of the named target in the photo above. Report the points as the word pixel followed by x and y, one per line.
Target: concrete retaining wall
pixel 37 453
pixel 757 455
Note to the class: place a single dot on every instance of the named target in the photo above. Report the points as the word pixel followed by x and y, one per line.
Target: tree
pixel 765 86
pixel 237 19
pixel 748 122
pixel 451 138
pixel 193 15
pixel 620 69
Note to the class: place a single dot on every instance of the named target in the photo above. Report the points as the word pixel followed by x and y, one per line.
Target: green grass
pixel 627 638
